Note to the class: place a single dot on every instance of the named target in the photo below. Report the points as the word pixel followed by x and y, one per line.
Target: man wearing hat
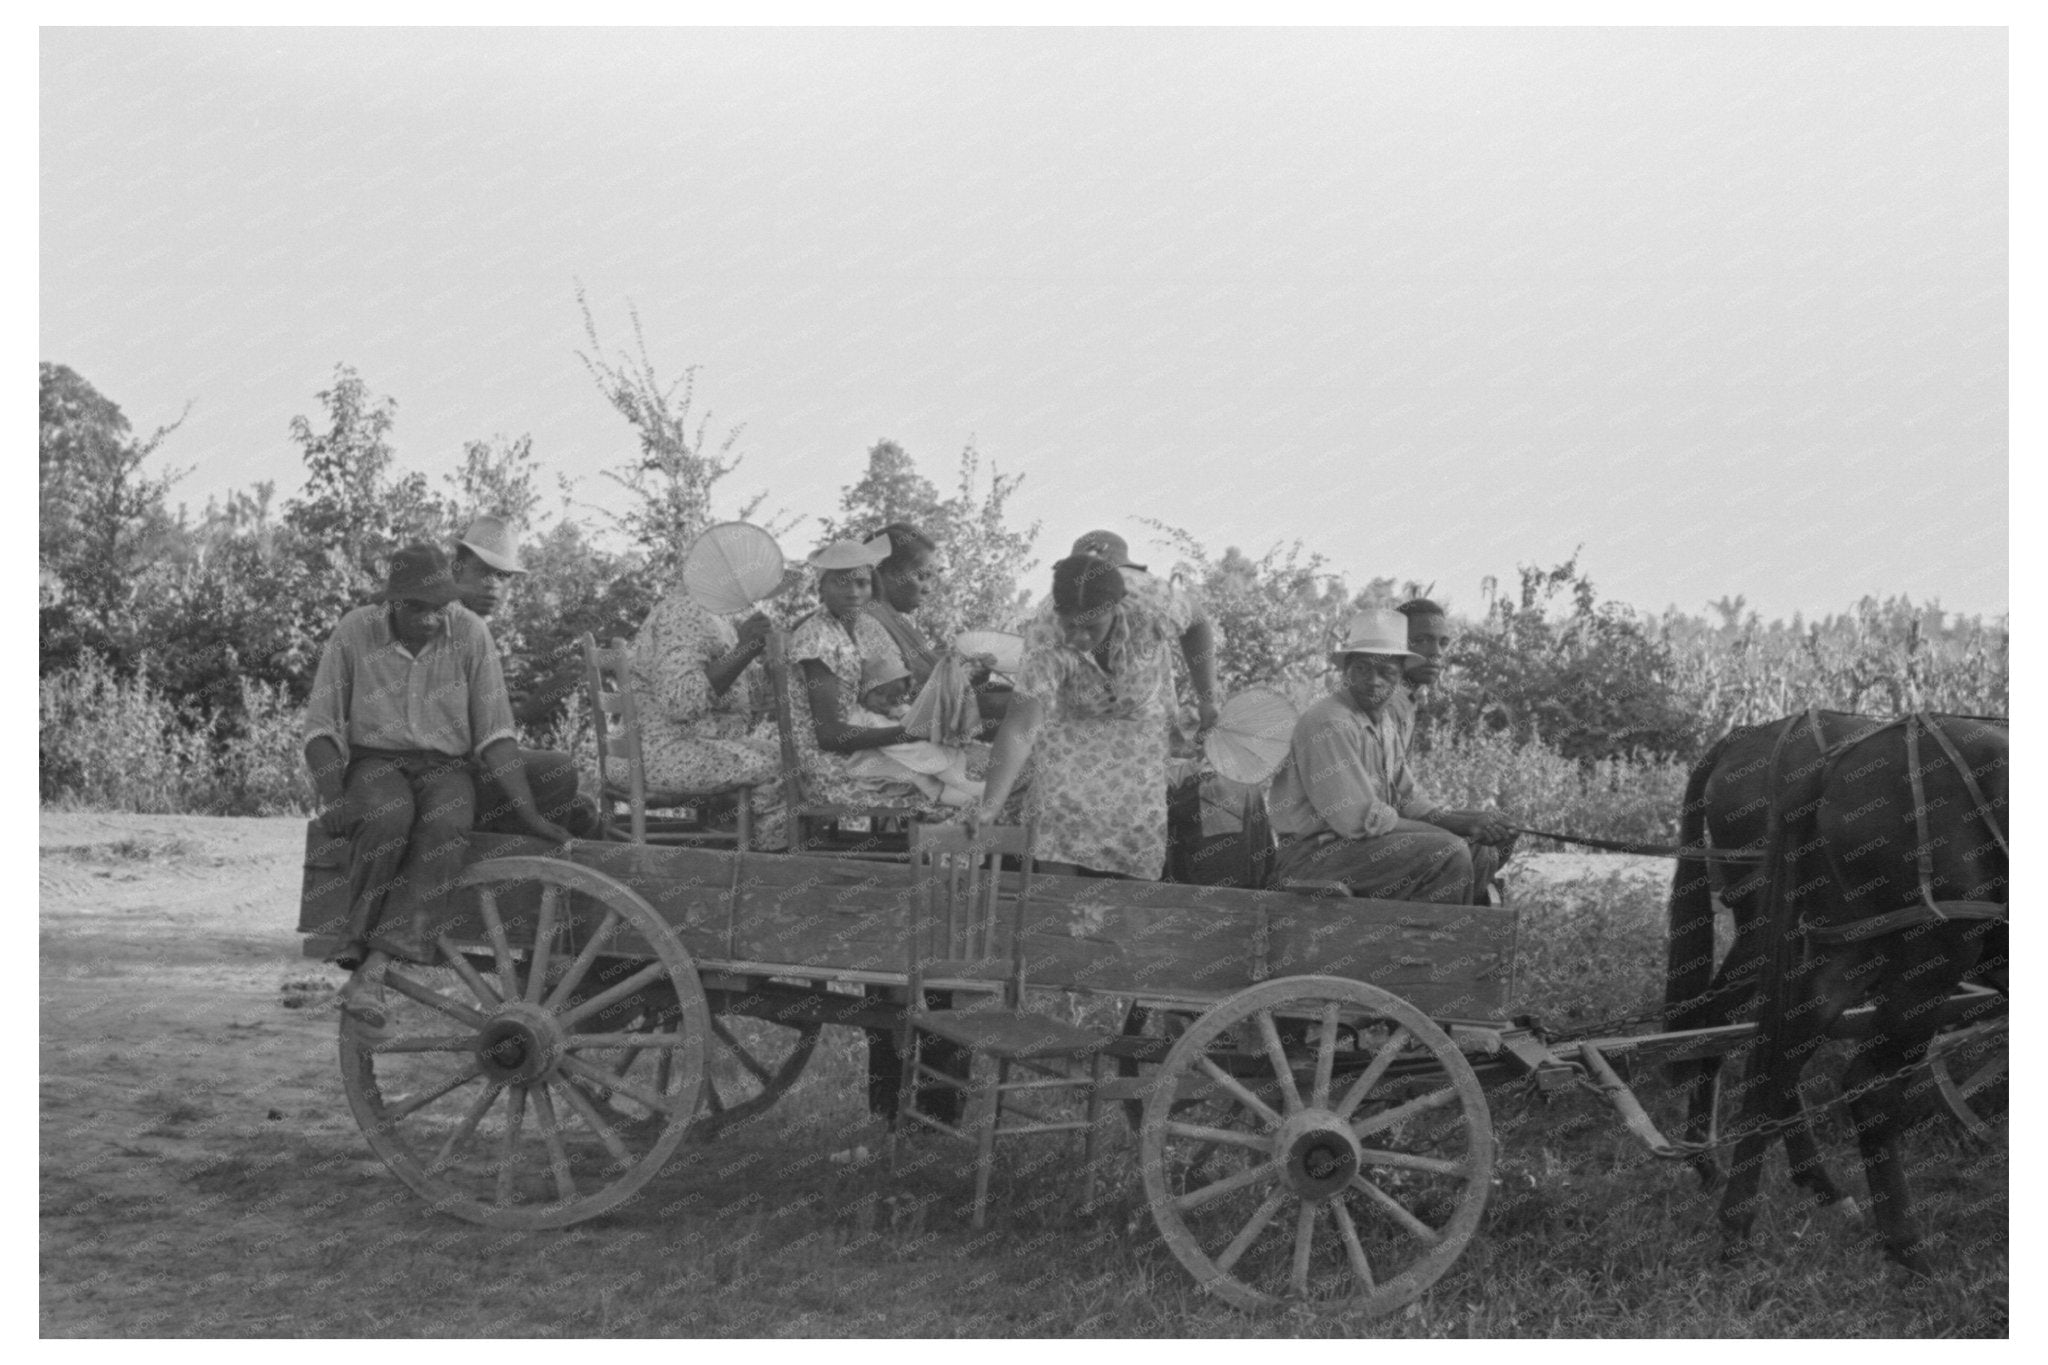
pixel 1345 805
pixel 486 560
pixel 1184 610
pixel 408 692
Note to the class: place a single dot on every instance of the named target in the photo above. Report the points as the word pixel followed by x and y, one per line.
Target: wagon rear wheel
pixel 505 1089
pixel 1969 1066
pixel 1347 1169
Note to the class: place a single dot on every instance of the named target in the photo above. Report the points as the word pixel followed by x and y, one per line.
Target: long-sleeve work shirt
pixel 1346 773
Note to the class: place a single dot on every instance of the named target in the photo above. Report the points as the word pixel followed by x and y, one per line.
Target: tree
pixel 102 518
pixel 496 478
pixel 351 508
pixel 982 557
pixel 672 481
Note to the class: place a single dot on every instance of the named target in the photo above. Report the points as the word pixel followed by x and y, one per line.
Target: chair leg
pixel 1091 1136
pixel 985 1156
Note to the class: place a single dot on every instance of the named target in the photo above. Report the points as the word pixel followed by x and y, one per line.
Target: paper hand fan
pixel 732 566
pixel 1007 649
pixel 1251 736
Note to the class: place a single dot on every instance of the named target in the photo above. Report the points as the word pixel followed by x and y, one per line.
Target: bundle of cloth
pixel 943 716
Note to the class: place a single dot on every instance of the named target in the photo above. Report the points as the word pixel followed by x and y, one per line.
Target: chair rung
pixel 1074 1127
pixel 954 1081
pixel 928 1121
pixel 1062 1083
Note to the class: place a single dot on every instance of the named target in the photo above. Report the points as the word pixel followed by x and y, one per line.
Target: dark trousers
pixel 885 1068
pixel 550 776
pixel 1411 862
pixel 408 821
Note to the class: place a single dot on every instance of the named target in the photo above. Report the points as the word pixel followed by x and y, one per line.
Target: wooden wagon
pixel 1307 1075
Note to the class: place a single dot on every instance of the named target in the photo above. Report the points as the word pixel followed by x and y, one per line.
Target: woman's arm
pixel 1013 747
pixel 723 671
pixel 835 736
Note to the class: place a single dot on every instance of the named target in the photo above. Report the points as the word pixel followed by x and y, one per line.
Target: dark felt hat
pixel 420 573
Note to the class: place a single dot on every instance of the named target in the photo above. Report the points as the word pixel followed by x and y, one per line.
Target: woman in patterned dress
pixel 1090 714
pixel 695 685
pixel 825 653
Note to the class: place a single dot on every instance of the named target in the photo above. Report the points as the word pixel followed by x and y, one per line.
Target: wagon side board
pixel 1120 937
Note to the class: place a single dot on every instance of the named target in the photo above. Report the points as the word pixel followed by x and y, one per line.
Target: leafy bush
pixel 1607 798
pixel 118 743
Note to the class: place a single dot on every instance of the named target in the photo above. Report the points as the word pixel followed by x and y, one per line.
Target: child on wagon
pixel 937 770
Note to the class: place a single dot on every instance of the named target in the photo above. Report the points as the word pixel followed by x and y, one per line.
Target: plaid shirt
pixel 373 693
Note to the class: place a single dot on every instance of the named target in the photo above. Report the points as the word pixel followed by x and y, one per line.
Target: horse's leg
pixel 1923 967
pixel 1700 1080
pixel 1770 1104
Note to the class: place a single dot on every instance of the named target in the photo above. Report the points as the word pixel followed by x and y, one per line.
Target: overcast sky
pixel 1727 307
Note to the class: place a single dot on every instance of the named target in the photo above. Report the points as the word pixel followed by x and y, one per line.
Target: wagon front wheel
pixel 1342 1163
pixel 504 1089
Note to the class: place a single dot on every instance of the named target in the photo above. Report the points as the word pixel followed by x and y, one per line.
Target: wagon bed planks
pixel 1123 937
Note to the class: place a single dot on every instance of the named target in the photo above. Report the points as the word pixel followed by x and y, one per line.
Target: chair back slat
pixel 957 902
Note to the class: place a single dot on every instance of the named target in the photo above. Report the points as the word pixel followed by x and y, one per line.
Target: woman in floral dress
pixel 695 685
pixel 825 654
pixel 1089 713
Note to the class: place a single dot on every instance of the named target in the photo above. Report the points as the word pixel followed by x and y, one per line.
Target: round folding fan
pixel 1007 649
pixel 1251 735
pixel 732 566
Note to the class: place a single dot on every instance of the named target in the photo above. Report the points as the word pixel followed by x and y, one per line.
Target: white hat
pixel 851 554
pixel 1381 631
pixel 493 540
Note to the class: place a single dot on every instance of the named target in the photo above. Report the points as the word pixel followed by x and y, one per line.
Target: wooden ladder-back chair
pixel 955 941
pixel 805 815
pixel 615 719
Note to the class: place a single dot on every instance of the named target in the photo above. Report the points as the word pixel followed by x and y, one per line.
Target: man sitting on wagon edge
pixel 1345 805
pixel 407 692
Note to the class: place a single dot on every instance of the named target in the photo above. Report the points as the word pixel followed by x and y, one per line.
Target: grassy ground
pixel 200 1176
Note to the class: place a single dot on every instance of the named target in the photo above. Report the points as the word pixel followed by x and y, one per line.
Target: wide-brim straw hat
pixel 1383 631
pixel 493 540
pixel 420 573
pixel 851 554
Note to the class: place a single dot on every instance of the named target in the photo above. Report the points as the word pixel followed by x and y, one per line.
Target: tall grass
pixel 1619 798
pixel 110 742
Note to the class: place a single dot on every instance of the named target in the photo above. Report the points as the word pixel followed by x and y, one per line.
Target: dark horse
pixel 1885 880
pixel 1727 809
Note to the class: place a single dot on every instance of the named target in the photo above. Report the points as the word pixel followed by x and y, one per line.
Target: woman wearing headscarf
pixel 1089 713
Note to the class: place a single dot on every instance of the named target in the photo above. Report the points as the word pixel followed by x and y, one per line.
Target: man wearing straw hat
pixel 408 693
pixel 1345 805
pixel 486 560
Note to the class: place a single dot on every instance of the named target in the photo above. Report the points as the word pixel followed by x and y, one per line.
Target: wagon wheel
pixel 754 1062
pixel 1969 1066
pixel 1345 1177
pixel 480 1093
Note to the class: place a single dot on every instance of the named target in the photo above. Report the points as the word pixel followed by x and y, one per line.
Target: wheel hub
pixel 1318 1153
pixel 520 1042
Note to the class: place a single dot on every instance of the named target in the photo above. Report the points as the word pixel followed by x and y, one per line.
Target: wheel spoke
pixel 1394 1209
pixel 460 965
pixel 1276 1053
pixel 1326 1056
pixel 432 999
pixel 1244 1096
pixel 574 976
pixel 1304 1240
pixel 1387 1118
pixel 1992 1070
pixel 1408 1161
pixel 459 1139
pixel 1229 1136
pixel 1370 1077
pixel 494 924
pixel 414 1103
pixel 508 1148
pixel 592 1120
pixel 646 976
pixel 1194 1199
pixel 444 1042
pixel 576 1066
pixel 1353 1252
pixel 558 1158
pixel 580 1042
pixel 1249 1233
pixel 746 1058
pixel 543 937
